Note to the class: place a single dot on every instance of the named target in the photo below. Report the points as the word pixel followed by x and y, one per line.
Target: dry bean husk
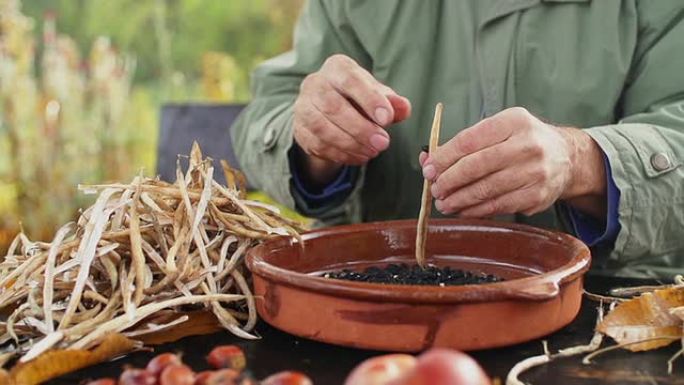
pixel 144 248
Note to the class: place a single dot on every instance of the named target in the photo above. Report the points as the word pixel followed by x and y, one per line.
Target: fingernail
pixel 382 116
pixel 438 205
pixel 379 142
pixel 435 191
pixel 429 172
pixel 421 158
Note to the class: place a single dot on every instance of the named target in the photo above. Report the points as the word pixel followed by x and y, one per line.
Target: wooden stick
pixel 426 200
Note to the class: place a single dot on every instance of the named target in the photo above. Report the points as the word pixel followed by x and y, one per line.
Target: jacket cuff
pixel 592 231
pixel 646 171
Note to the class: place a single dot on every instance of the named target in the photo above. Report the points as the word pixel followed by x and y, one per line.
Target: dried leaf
pixel 646 317
pixel 55 363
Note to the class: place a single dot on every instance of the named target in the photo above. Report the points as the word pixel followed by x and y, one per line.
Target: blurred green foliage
pixel 82 83
pixel 248 30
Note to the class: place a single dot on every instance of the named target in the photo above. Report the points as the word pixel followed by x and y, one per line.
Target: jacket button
pixel 660 161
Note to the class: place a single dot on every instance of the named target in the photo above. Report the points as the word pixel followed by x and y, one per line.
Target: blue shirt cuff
pixel 325 195
pixel 592 231
pixel 341 185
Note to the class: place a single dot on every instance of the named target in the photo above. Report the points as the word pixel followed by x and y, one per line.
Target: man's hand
pixel 514 163
pixel 340 116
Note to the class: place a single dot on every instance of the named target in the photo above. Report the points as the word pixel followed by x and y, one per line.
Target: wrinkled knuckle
pixel 316 127
pixel 337 60
pixel 522 118
pixel 330 107
pixel 348 81
pixel 535 148
pixel 488 124
pixel 492 207
pixel 468 170
pixel 375 97
pixel 467 145
pixel 482 191
pixel 520 112
pixel 309 82
pixel 331 62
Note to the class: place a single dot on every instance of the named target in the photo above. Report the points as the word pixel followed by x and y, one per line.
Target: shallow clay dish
pixel 542 292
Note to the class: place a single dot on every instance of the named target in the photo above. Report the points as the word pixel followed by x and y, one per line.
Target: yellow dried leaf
pixel 55 363
pixel 647 316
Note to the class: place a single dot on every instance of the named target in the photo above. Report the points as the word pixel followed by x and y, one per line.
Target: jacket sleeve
pixel 646 147
pixel 263 134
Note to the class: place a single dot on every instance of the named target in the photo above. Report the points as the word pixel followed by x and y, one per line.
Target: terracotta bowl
pixel 542 291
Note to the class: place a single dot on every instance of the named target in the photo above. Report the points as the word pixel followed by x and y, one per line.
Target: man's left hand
pixel 513 162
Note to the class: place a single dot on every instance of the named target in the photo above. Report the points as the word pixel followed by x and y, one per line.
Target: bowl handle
pixel 541 291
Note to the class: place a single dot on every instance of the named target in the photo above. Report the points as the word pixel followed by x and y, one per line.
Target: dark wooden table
pixel 328 365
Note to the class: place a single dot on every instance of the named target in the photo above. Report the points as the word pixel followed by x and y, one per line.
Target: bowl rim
pixel 540 287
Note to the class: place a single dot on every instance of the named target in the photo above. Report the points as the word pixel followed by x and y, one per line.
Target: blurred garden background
pixel 82 82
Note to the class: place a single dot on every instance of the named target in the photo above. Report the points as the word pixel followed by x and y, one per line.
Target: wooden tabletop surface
pixel 328 365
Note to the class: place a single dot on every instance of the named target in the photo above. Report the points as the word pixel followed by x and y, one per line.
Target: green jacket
pixel 612 67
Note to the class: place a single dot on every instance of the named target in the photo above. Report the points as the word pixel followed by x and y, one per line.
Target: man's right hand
pixel 340 117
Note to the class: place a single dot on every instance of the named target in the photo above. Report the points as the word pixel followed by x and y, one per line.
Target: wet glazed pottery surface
pixel 542 291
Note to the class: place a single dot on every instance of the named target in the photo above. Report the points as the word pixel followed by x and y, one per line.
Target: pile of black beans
pixel 405 274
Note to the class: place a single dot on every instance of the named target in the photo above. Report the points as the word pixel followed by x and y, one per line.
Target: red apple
pixel 434 367
pixel 381 370
pixel 287 378
pixel 444 367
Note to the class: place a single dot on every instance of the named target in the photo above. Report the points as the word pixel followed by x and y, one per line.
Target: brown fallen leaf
pixel 55 363
pixel 646 317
